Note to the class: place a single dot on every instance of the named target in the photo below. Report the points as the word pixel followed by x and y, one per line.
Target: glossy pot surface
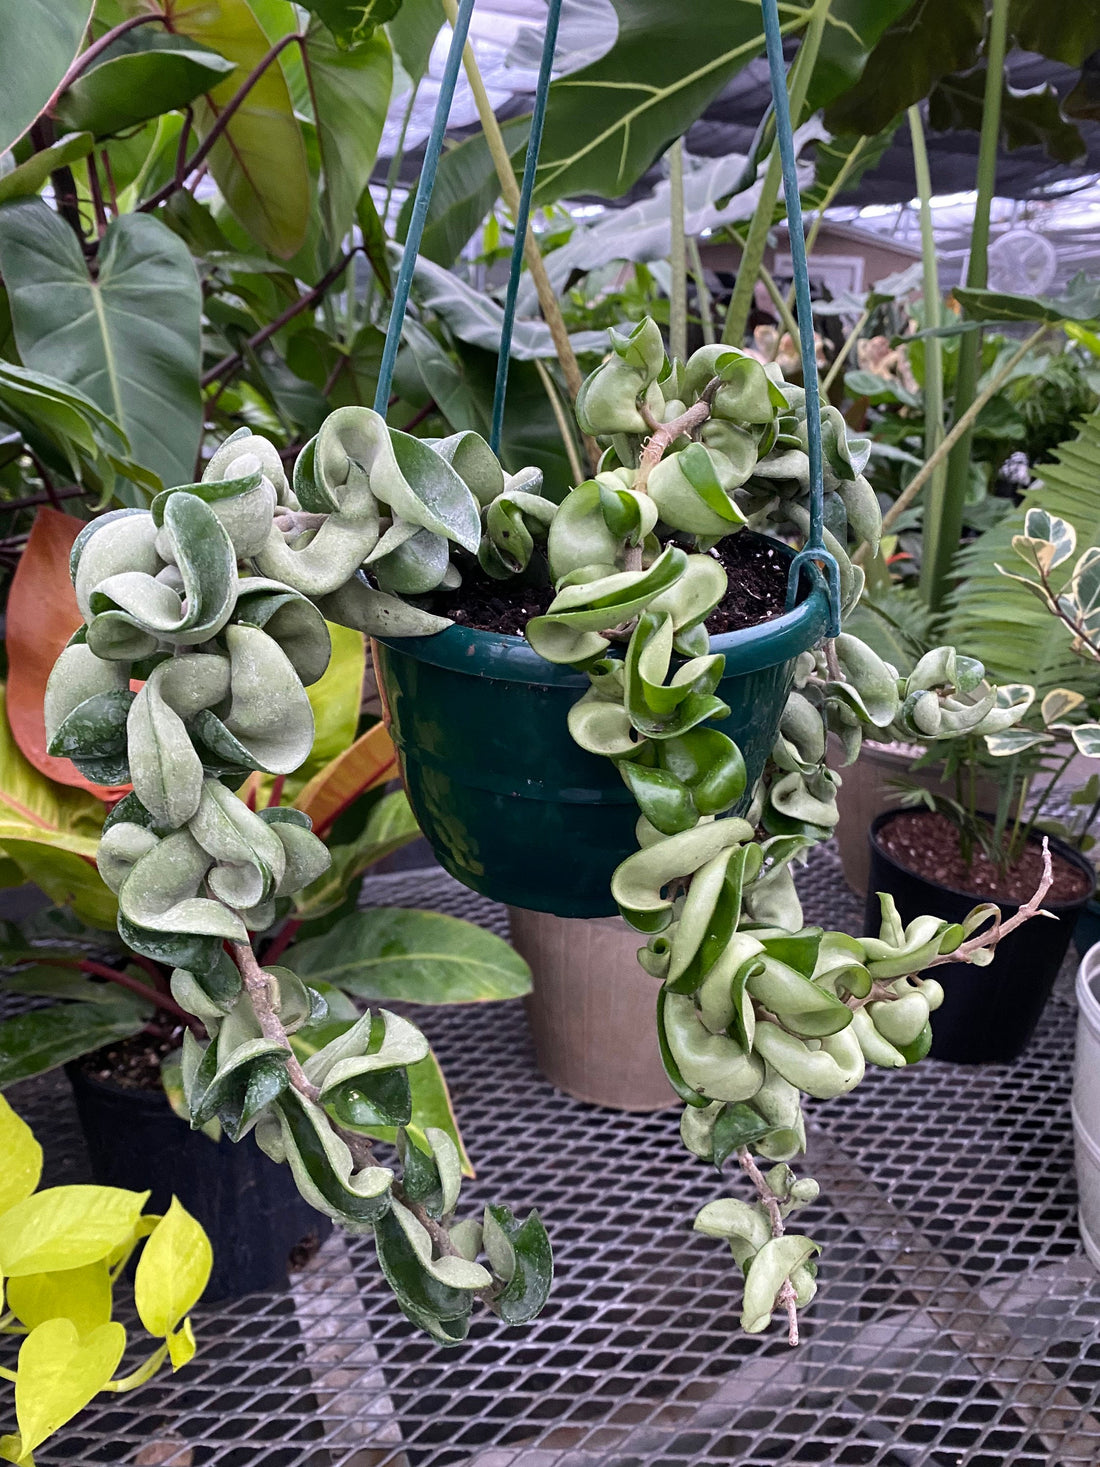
pixel 510 804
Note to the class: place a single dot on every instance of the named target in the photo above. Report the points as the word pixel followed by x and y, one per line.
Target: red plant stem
pixel 303 302
pixel 277 791
pixel 223 120
pixel 155 972
pixel 281 941
pixel 135 985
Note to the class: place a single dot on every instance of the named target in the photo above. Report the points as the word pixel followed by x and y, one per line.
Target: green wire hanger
pixel 814 553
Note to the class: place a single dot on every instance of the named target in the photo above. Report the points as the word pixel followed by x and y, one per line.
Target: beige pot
pixel 865 793
pixel 592 1010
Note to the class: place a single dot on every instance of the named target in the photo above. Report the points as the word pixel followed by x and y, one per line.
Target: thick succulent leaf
pixel 202 551
pixel 532 1273
pixel 431 1100
pixel 160 894
pixel 776 1261
pixel 129 338
pixel 299 1132
pixel 639 882
pixel 439 1308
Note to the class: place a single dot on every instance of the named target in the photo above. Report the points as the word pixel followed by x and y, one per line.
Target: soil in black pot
pixel 757 592
pixel 927 844
pixel 259 1224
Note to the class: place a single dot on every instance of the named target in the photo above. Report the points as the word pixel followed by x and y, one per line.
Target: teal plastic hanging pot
pixel 510 804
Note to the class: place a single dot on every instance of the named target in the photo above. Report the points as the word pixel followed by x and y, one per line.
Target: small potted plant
pixel 1069 590
pixel 943 852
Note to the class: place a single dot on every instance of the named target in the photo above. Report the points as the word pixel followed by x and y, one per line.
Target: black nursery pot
pixel 988 1014
pixel 248 1204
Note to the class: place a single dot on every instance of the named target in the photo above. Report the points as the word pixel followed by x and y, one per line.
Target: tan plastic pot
pixel 865 793
pixel 591 1010
pixel 1086 1103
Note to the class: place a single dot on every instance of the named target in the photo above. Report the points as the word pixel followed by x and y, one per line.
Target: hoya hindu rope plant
pixel 109 1017
pixel 215 600
pixel 62 1251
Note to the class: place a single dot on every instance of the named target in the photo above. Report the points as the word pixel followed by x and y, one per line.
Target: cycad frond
pixel 999 620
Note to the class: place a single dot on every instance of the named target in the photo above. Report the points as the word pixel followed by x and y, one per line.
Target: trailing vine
pixel 215 599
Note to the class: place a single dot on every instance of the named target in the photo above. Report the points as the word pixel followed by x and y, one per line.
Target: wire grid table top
pixel 957 1323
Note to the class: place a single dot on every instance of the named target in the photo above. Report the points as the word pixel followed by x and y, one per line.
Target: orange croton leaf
pixel 42 616
pixel 371 760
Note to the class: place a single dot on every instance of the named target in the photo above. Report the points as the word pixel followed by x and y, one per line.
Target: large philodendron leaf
pixel 259 162
pixel 129 338
pixel 38 41
pixel 930 39
pixel 466 188
pixel 349 91
pixel 607 123
pixel 417 957
pixel 145 73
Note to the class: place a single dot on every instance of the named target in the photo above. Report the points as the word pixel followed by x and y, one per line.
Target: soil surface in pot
pixel 134 1063
pixel 928 845
pixel 757 592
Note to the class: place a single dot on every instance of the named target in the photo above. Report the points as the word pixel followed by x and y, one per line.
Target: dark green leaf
pixel 349 87
pixel 32 1043
pixel 737 1125
pixel 443 1311
pixel 1068 33
pixel 1031 119
pixel 38 41
pixel 27 178
pixel 466 188
pixel 144 73
pixel 352 21
pixel 417 957
pixel 933 38
pixel 130 338
pixel 527 1291
pixel 413 31
pixel 1081 302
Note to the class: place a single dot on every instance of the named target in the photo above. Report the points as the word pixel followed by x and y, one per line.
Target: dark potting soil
pixel 928 844
pixel 757 589
pixel 134 1063
pixel 757 592
pixel 492 606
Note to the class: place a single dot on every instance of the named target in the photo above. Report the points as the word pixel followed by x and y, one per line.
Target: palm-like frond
pixel 999 620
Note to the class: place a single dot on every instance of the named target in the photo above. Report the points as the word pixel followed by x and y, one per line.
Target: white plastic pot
pixel 1086 1102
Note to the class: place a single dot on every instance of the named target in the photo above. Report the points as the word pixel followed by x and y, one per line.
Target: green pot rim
pixel 509 658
